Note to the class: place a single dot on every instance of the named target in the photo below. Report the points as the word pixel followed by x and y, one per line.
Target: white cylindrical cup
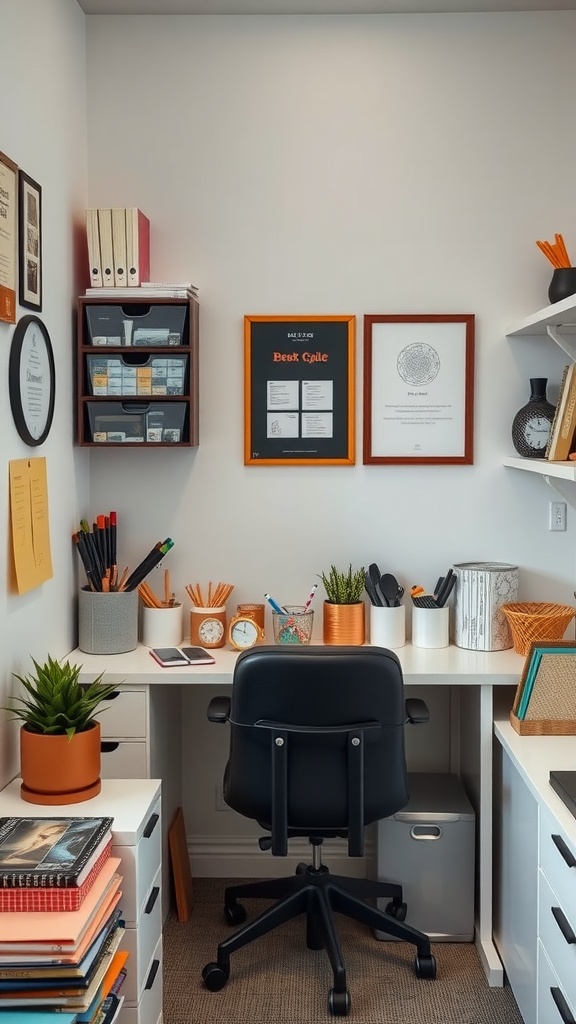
pixel 162 627
pixel 430 626
pixel 388 626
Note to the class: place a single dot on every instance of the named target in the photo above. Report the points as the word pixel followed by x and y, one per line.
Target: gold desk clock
pixel 243 632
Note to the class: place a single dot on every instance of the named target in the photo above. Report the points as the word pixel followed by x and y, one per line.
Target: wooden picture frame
pixel 8 247
pixel 180 862
pixel 30 242
pixel 299 390
pixel 418 388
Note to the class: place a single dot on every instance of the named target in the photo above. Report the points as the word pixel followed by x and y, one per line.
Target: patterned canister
pixel 481 590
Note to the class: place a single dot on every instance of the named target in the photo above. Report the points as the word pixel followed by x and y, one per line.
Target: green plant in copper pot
pixel 344 587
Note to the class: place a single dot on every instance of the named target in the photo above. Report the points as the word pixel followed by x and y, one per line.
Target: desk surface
pixel 443 667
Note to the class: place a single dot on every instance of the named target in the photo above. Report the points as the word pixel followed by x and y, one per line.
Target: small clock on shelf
pixel 533 422
pixel 244 632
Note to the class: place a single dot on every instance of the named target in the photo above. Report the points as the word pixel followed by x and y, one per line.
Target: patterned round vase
pixel 532 423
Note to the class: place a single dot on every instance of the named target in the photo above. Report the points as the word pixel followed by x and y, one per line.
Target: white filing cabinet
pixel 135 806
pixel 140 729
pixel 535 867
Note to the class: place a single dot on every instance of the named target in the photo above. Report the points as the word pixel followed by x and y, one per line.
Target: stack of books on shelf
pixel 118 247
pixel 148 290
pixel 60 923
pixel 562 440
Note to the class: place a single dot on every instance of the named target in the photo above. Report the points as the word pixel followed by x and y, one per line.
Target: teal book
pixel 37 1017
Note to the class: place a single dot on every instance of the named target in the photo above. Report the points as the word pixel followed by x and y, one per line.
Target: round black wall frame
pixel 32 380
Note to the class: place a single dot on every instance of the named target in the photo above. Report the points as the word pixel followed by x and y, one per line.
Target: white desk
pixel 471 676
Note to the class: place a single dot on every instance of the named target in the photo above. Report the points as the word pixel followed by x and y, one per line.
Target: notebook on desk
pixel 564 784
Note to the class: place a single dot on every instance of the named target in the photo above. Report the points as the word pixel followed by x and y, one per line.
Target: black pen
pixel 148 563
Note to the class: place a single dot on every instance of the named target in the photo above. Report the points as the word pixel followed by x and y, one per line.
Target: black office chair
pixel 317 750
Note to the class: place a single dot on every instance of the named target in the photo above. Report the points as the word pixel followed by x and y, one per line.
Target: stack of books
pixel 60 923
pixel 149 290
pixel 118 246
pixel 562 440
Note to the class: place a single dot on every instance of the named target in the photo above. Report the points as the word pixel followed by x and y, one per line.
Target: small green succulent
pixel 57 703
pixel 344 587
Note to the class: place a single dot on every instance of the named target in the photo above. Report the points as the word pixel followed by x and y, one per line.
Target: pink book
pixel 137 246
pixel 60 929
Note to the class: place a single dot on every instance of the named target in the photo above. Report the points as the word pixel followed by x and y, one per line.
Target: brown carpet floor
pixel 278 980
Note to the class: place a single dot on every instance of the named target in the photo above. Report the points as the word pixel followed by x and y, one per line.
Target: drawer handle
pixel 152 900
pixel 151 825
pixel 562 1005
pixel 564 850
pixel 156 965
pixel 112 696
pixel 109 746
pixel 564 925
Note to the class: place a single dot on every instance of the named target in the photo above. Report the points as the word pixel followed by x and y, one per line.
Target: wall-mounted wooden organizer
pixel 137 372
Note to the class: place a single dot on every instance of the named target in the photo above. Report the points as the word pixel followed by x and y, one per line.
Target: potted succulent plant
pixel 344 621
pixel 59 738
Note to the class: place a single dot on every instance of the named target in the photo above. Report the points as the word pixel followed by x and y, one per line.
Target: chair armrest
pixel 218 710
pixel 416 711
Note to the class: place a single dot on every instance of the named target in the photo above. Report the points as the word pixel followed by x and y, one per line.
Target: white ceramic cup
pixel 430 626
pixel 162 627
pixel 388 626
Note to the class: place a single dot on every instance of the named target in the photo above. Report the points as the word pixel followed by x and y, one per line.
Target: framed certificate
pixel 299 390
pixel 418 388
pixel 8 234
pixel 32 380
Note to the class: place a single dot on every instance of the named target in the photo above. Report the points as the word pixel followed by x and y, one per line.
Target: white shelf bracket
pixel 566 342
pixel 565 488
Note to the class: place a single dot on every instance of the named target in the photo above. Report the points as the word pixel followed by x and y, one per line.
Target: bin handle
pixel 426 832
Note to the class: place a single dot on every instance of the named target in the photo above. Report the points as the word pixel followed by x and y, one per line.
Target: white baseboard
pixel 241 857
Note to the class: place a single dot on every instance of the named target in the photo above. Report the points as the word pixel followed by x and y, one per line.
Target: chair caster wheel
pixel 396 910
pixel 339 1003
pixel 215 977
pixel 235 913
pixel 301 868
pixel 425 966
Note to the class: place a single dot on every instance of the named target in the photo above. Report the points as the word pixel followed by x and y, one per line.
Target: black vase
pixel 532 423
pixel 563 284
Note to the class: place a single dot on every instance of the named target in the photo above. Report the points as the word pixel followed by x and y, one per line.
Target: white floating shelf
pixel 557 470
pixel 560 314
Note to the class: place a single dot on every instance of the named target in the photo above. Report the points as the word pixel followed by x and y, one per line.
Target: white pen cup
pixel 388 626
pixel 162 627
pixel 430 626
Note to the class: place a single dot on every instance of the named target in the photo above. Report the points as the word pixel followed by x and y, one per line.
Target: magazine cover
pixel 48 851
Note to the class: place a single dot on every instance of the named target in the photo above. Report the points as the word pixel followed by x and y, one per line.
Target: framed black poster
pixel 299 390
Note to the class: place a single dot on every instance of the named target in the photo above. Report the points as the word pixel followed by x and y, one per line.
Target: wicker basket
pixel 536 621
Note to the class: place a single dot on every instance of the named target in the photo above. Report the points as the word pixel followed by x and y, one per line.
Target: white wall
pixel 347 165
pixel 338 165
pixel 43 129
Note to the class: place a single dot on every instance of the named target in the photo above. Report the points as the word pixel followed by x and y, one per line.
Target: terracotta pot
pixel 56 770
pixel 344 624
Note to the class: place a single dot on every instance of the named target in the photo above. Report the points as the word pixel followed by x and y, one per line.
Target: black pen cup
pixel 107 622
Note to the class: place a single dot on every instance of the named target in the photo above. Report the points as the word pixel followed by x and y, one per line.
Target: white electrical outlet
pixel 219 801
pixel 557 515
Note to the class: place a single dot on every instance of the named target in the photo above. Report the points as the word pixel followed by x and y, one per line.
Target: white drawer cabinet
pixel 140 727
pixel 546 995
pixel 135 806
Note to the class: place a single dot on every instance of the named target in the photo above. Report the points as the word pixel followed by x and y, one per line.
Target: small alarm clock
pixel 208 627
pixel 244 632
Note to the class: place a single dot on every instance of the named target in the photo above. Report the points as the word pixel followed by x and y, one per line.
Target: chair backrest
pixel 317 739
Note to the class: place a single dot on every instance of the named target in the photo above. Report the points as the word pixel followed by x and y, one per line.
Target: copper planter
pixel 344 624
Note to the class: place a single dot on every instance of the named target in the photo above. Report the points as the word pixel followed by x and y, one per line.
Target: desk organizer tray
pixel 137 373
pixel 545 699
pixel 136 324
pixel 132 422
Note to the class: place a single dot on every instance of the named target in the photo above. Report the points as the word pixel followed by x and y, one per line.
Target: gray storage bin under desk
pixel 428 848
